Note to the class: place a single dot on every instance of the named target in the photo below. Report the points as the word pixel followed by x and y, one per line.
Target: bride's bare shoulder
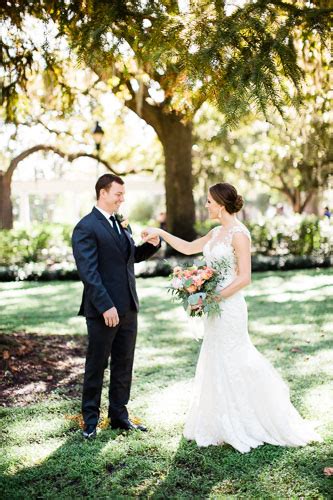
pixel 214 231
pixel 241 228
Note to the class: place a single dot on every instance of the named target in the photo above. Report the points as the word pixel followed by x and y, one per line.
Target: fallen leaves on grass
pixel 30 368
pixel 5 354
pixel 136 421
pixel 78 419
pixel 103 424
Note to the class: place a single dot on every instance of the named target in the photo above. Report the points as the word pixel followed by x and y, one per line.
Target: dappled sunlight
pixel 271 283
pixel 156 287
pixel 177 316
pixel 38 289
pixel 167 406
pixel 319 402
pixel 298 283
pixel 257 326
pixel 43 441
pixel 78 321
pixel 66 328
pixel 308 364
pixel 327 327
pixel 301 297
pixel 36 427
pixel 31 454
pixel 115 447
pixel 31 390
pixel 38 365
pixel 153 358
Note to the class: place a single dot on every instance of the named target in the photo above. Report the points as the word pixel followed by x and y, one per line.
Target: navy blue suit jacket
pixel 107 272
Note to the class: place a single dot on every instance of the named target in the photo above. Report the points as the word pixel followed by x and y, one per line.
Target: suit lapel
pixel 109 229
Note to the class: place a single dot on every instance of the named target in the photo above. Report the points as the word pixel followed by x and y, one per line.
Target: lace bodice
pixel 219 248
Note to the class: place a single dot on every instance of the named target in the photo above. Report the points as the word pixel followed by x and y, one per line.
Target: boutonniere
pixel 122 221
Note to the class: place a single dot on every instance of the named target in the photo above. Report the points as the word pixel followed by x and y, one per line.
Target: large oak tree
pixel 165 60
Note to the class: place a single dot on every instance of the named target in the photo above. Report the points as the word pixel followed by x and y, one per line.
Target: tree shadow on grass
pixel 262 276
pixel 287 312
pixel 220 470
pixel 285 343
pixel 264 296
pixel 108 468
pixel 71 471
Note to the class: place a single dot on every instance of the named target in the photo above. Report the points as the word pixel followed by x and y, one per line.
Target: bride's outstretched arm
pixel 182 246
pixel 242 246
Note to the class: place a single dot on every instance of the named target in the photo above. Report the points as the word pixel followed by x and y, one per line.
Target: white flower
pixel 177 283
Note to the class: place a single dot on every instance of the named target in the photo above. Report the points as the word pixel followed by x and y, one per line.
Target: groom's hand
pixel 150 235
pixel 154 240
pixel 111 317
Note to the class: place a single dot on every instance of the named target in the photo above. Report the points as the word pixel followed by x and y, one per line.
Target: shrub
pixel 296 235
pixel 49 243
pixel 44 251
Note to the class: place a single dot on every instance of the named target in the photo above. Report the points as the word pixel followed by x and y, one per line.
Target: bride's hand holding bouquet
pixel 196 286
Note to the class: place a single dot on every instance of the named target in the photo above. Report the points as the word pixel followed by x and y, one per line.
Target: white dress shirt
pixel 107 216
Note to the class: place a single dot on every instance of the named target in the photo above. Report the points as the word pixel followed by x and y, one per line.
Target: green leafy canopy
pixel 241 61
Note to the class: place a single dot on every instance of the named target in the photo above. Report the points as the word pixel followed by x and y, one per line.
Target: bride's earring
pixel 220 213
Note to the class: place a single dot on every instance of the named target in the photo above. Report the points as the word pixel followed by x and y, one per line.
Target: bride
pixel 238 397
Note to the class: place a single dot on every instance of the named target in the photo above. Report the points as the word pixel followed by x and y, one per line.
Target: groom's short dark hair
pixel 105 181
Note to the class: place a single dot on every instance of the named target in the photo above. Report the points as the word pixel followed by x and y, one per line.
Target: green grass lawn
pixel 44 456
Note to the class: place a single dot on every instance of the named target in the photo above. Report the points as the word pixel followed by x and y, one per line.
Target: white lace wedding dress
pixel 238 397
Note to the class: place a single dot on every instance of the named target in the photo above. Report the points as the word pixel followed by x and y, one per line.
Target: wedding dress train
pixel 238 397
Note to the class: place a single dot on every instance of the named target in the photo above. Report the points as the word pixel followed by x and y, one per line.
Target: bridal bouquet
pixel 195 287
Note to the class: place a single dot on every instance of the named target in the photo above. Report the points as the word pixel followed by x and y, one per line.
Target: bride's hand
pixel 151 235
pixel 149 232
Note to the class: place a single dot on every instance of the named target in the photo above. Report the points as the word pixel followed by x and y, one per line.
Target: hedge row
pixel 157 267
pixel 44 251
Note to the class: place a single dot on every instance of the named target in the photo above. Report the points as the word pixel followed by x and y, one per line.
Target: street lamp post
pixel 98 134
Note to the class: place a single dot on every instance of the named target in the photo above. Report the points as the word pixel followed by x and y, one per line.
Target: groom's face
pixel 113 197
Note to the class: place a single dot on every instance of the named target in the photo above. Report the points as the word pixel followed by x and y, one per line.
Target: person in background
pixel 327 213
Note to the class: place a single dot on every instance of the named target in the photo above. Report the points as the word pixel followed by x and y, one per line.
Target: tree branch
pixel 286 188
pixel 151 114
pixel 69 157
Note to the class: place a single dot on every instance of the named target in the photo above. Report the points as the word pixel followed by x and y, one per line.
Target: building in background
pixel 65 195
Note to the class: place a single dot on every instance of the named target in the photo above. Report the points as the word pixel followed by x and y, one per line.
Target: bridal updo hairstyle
pixel 225 194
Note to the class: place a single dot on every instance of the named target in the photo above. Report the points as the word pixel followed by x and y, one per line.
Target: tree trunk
pixel 311 203
pixel 6 208
pixel 297 202
pixel 176 138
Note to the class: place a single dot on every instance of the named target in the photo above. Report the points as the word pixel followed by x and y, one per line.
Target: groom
pixel 105 253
